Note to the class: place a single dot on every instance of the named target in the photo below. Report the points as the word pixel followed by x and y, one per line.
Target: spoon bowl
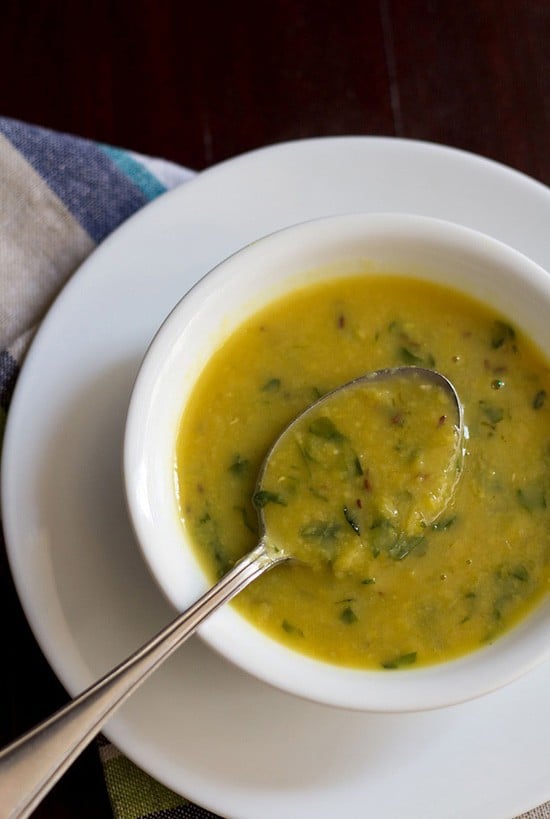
pixel 317 469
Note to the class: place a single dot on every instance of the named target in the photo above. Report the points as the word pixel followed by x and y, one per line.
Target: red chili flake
pixel 442 419
pixel 398 419
pixel 200 488
pixel 358 503
pixel 341 321
pixel 367 484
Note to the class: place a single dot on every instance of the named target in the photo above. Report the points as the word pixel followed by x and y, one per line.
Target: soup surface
pixel 374 600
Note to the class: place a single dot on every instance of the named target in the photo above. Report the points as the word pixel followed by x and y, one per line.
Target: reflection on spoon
pixel 382 455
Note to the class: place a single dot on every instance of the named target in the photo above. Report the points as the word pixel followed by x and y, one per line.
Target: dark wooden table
pixel 199 82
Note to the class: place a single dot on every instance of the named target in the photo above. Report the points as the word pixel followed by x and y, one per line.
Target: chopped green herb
pixel 239 466
pixel 272 385
pixel 223 562
pixel 350 518
pixel 246 520
pixel 497 384
pixel 443 524
pixel 213 543
pixel 305 455
pixel 493 413
pixel 520 573
pixel 368 581
pixel 500 604
pixel 320 530
pixel 381 536
pixel 501 333
pixel 469 598
pixel 290 629
pixel 531 497
pixel 357 465
pixel 404 545
pixel 316 494
pixel 407 356
pixel 348 616
pixel 413 453
pixel 539 399
pixel 402 661
pixel 263 496
pixel 323 427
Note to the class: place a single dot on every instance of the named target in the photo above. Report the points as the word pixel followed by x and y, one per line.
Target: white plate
pixel 199 725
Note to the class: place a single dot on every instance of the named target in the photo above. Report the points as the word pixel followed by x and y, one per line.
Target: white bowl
pixel 416 246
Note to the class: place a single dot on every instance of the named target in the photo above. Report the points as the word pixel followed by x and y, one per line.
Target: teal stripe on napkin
pixel 148 184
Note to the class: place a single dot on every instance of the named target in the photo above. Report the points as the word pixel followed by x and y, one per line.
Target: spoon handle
pixel 32 764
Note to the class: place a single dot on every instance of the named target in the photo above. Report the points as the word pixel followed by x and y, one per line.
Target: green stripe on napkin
pixel 133 793
pixel 136 795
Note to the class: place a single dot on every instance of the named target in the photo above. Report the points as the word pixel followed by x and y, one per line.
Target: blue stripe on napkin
pixel 93 188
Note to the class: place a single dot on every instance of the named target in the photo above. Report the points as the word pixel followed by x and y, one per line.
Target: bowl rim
pixel 422 688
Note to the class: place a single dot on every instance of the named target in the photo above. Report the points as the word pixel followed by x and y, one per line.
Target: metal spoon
pixel 32 764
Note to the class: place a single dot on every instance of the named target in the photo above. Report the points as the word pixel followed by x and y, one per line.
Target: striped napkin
pixel 60 196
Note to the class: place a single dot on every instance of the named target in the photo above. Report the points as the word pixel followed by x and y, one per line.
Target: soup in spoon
pixel 365 470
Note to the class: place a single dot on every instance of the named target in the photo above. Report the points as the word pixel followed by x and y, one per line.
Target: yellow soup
pixel 375 599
